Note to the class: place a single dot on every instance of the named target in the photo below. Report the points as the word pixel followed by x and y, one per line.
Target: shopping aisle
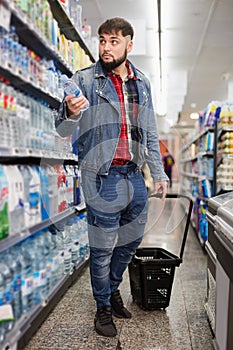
pixel 183 325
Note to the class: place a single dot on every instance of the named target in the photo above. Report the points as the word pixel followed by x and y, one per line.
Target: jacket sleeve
pixel 65 126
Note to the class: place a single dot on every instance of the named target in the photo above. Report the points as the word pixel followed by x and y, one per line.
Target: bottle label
pixel 17 282
pixel 77 92
pixel 40 278
pixel 2 298
pixel 27 286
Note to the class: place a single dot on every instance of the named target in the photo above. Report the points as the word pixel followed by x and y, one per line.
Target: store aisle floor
pixel 182 326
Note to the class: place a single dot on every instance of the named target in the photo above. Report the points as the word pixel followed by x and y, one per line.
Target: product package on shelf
pixel 211 114
pixel 15 199
pixel 225 146
pixel 217 111
pixel 203 223
pixel 225 175
pixel 4 193
pixel 206 188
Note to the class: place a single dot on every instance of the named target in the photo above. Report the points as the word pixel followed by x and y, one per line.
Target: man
pixel 168 162
pixel 116 135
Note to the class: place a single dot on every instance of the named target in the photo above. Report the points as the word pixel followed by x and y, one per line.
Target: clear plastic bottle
pixel 63 233
pixel 44 182
pixel 51 77
pixel 55 270
pixel 14 59
pixel 4 120
pixel 44 240
pixel 2 302
pixel 58 239
pixel 75 242
pixel 84 245
pixel 14 264
pixel 14 121
pixel 69 185
pixel 2 33
pixel 70 87
pixel 15 202
pixel 4 201
pixel 33 246
pixel 26 277
pixel 9 290
pixel 67 246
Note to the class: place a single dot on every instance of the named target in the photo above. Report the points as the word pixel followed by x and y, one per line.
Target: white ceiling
pixel 198 39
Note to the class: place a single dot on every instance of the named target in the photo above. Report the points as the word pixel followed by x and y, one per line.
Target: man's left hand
pixel 160 187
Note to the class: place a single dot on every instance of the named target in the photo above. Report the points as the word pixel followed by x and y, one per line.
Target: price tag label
pixel 5 17
pixel 6 313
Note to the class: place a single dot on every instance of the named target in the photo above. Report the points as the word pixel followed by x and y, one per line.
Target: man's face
pixel 113 49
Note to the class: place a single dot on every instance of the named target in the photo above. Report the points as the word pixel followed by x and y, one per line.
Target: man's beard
pixel 109 66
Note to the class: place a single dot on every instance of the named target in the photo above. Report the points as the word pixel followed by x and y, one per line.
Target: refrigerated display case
pixel 220 243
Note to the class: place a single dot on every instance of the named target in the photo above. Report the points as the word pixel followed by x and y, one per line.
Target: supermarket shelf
pixel 11 155
pixel 204 199
pixel 35 40
pixel 225 155
pixel 29 323
pixel 81 207
pixel 226 187
pixel 12 240
pixel 196 176
pixel 205 177
pixel 224 129
pixel 198 155
pixel 184 173
pixel 195 139
pixel 19 81
pixel 201 240
pixel 205 154
pixel 67 27
pixel 221 156
pixel 190 159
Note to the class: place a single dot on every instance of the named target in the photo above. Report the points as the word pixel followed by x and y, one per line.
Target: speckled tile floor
pixel 183 325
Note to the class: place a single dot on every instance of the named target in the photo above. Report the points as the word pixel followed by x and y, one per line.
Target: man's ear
pixel 129 46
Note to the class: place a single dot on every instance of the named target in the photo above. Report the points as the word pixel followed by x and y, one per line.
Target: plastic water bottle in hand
pixel 70 87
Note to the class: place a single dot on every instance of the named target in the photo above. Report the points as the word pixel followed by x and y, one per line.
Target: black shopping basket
pixel 151 270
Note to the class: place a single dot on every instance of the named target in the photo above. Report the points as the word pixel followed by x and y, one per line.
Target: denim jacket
pixel 99 127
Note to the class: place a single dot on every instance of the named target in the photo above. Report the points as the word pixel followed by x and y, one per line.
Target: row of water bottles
pixel 29 270
pixel 26 122
pixel 32 194
pixel 27 64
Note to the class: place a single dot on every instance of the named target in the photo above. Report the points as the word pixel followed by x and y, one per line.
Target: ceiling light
pixel 193 105
pixel 194 116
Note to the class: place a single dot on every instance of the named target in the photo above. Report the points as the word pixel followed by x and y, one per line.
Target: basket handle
pixel 176 195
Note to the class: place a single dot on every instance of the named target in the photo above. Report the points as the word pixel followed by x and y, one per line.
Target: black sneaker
pixel 104 324
pixel 118 308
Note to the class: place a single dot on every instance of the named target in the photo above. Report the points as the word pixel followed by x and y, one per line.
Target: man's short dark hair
pixel 115 25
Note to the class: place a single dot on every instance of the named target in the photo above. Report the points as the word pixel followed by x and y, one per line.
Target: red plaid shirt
pixel 126 92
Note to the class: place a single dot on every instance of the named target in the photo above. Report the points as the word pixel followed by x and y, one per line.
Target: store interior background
pixel 186 49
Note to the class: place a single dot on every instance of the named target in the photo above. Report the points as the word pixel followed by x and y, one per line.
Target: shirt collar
pixel 131 74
